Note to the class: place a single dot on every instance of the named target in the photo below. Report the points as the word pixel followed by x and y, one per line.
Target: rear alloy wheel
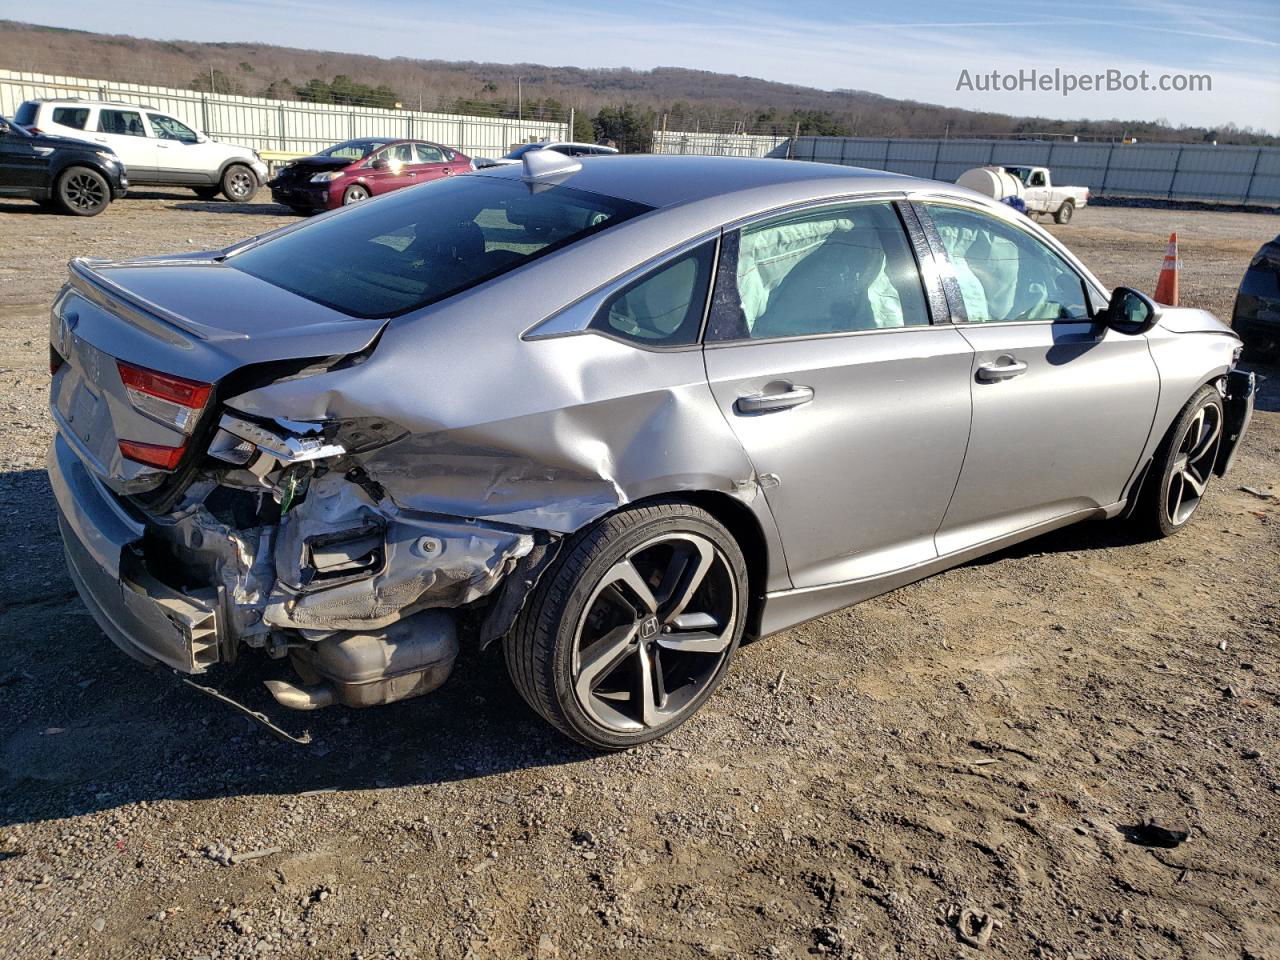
pixel 354 194
pixel 634 627
pixel 1183 465
pixel 1064 212
pixel 83 192
pixel 239 183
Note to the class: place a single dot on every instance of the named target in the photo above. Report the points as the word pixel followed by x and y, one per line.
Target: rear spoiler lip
pixel 150 316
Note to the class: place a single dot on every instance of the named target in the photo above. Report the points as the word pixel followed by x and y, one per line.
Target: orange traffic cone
pixel 1167 285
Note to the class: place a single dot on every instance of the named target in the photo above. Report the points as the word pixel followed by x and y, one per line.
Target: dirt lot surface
pixel 991 740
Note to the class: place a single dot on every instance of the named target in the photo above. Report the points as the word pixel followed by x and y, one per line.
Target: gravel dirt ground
pixel 986 743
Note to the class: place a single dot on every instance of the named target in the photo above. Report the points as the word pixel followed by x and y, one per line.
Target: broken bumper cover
pixel 146 619
pixel 1241 389
pixel 361 595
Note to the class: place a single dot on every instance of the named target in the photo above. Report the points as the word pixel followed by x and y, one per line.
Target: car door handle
pixel 794 396
pixel 1004 368
pixel 100 139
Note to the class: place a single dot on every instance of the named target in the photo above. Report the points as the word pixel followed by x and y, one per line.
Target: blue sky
pixel 916 51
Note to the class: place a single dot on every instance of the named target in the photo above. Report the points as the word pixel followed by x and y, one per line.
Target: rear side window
pixel 664 307
pixel 429 154
pixel 416 247
pixel 71 116
pixel 832 270
pixel 26 115
pixel 124 123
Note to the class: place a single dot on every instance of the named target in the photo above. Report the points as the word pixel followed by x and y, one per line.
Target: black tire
pixel 1064 212
pixel 82 192
pixel 1157 514
pixel 207 193
pixel 354 194
pixel 543 646
pixel 239 183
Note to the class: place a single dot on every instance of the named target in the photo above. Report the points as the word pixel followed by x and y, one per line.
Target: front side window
pixel 167 128
pixel 664 307
pixel 833 270
pixel 416 247
pixel 1005 274
pixel 123 123
pixel 75 117
pixel 400 154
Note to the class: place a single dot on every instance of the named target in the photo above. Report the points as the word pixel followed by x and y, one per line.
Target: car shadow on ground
pixel 29 207
pixel 85 728
pixel 254 209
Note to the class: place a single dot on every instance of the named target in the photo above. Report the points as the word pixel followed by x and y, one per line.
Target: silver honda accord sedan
pixel 615 415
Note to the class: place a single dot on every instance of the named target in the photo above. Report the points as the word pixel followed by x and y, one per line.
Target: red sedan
pixel 359 169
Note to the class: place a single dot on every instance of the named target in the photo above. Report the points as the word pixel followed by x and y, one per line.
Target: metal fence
pixel 1168 171
pixel 715 144
pixel 290 126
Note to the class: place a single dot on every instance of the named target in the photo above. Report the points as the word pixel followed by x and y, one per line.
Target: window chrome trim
pixel 575 319
pixel 834 334
pixel 844 200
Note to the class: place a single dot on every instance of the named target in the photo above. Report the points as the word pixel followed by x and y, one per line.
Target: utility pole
pixel 520 98
pixel 211 87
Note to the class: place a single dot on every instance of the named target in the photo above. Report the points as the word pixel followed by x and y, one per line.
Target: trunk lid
pixel 198 320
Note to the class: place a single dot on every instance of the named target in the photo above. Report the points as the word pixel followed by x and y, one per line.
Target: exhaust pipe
pixel 301 698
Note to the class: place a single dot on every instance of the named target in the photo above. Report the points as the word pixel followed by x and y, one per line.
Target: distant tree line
pixel 618 104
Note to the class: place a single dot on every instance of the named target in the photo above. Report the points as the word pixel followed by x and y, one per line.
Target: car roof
pixel 87 102
pixel 664 181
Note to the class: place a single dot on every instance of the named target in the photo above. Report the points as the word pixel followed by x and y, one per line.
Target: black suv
pixel 72 175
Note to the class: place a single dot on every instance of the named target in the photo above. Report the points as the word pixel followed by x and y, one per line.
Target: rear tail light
pixel 153 454
pixel 35 131
pixel 174 401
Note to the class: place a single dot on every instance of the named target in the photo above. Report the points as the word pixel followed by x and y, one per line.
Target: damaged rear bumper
pixel 361 595
pixel 149 622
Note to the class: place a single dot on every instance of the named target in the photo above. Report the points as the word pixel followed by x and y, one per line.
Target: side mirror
pixel 382 163
pixel 4 127
pixel 1130 312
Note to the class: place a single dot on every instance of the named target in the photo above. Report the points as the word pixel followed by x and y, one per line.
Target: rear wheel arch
pixel 744 526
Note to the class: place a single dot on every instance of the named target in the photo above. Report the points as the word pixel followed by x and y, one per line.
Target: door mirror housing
pixel 4 127
pixel 1130 312
pixel 381 163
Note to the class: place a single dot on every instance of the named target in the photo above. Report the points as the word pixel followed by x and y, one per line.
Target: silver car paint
pixel 541 435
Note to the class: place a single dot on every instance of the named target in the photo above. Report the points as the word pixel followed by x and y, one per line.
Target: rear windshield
pixel 26 114
pixel 414 247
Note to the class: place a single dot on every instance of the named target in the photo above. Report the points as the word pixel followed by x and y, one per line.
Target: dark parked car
pixel 1257 314
pixel 70 175
pixel 359 169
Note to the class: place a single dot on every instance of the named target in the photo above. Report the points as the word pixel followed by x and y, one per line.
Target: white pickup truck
pixel 1041 196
